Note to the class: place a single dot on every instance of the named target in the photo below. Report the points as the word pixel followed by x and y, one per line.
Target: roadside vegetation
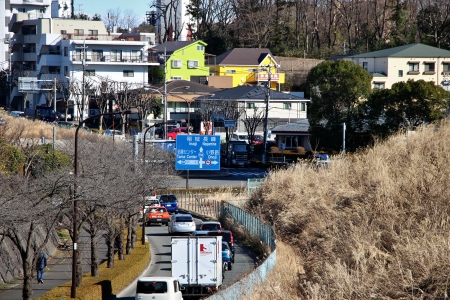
pixel 110 188
pixel 374 225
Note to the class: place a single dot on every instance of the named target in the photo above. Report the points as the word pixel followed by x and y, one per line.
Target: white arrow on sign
pixel 214 162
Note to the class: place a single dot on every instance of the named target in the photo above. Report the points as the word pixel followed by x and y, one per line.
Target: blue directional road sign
pixel 197 152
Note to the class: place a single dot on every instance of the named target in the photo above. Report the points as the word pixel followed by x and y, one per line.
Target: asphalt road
pixel 161 255
pixel 234 177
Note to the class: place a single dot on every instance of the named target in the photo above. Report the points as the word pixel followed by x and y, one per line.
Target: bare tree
pixel 252 121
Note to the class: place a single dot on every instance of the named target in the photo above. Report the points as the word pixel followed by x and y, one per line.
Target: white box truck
pixel 197 264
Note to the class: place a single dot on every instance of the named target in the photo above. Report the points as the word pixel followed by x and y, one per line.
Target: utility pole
pixel 83 61
pixel 343 139
pixel 165 94
pixel 266 117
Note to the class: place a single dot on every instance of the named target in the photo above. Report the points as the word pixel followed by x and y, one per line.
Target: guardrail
pixel 244 287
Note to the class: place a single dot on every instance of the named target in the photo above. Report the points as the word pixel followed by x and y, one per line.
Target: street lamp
pixel 145 164
pixel 73 291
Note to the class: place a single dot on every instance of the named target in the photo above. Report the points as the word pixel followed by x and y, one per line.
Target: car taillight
pixel 232 241
pixel 193 224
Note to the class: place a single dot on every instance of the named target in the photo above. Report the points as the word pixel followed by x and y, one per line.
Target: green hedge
pixel 110 280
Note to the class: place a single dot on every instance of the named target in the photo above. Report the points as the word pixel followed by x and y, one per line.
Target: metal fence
pixel 252 224
pixel 199 204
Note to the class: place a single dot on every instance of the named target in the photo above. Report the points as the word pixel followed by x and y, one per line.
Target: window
pixel 116 55
pixel 97 55
pixel 92 32
pixel 365 64
pixel 128 73
pixel 63 31
pixel 413 68
pixel 378 85
pixel 286 105
pixel 193 64
pixel 446 67
pixel 66 51
pixel 429 67
pixel 78 32
pixel 66 71
pixel 177 64
pixel 22 9
pixel 400 73
pixel 89 73
pixel 250 105
pixel 135 55
pixel 230 71
pixel 303 106
pixel 78 55
pixel 200 48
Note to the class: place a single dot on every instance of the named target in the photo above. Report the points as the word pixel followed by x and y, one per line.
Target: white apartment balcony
pixel 18 18
pixel 31 2
pixel 112 59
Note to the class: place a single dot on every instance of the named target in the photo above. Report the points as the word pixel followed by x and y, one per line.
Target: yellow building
pixel 244 66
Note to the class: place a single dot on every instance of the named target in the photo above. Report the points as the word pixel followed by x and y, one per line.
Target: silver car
pixel 181 223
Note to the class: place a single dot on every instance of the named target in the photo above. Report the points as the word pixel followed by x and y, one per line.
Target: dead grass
pixel 373 226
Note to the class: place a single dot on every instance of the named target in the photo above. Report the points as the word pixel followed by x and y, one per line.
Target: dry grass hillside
pixel 373 226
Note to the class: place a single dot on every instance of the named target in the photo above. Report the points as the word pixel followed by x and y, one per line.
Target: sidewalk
pixel 59 270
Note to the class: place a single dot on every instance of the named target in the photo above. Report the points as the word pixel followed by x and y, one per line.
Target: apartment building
pixel 56 48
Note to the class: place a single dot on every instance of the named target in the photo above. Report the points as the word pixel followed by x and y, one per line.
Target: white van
pixel 239 136
pixel 158 288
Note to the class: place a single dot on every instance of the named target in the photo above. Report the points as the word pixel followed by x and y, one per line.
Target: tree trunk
pixel 129 233
pixel 110 255
pixel 133 232
pixel 94 251
pixel 120 243
pixel 27 289
pixel 79 269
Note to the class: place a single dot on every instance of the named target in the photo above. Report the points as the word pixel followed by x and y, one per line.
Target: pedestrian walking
pixel 40 266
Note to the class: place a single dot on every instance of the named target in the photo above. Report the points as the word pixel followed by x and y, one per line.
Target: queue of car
pixel 163 209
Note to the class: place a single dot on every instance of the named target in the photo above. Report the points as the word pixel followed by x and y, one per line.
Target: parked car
pixel 16 113
pixel 172 134
pixel 181 223
pixel 117 134
pixel 158 214
pixel 321 159
pixel 159 131
pixel 211 226
pixel 226 256
pixel 170 202
pixel 257 139
pixel 160 288
pixel 65 124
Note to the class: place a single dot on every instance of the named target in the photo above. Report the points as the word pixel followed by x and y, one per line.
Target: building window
pixel 66 71
pixel 128 73
pixel 303 106
pixel 400 73
pixel 429 67
pixel 200 48
pixel 378 85
pixel 230 71
pixel 89 72
pixel 413 68
pixel 286 105
pixel 193 64
pixel 63 31
pixel 22 9
pixel 78 32
pixel 446 67
pixel 365 64
pixel 251 105
pixel 116 55
pixel 66 51
pixel 176 64
pixel 92 32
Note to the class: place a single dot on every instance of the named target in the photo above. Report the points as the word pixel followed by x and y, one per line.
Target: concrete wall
pixel 296 69
pixel 10 260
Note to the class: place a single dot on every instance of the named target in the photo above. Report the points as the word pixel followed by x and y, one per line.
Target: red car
pixel 158 214
pixel 172 134
pixel 257 139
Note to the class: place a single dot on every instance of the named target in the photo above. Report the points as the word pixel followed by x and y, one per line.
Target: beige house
pixel 413 61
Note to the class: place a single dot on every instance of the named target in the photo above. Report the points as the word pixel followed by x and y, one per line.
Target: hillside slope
pixel 373 226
